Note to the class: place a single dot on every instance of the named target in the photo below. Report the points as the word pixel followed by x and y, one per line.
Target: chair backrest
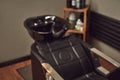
pixel 68 56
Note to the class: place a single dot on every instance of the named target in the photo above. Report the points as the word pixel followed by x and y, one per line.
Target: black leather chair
pixel 69 57
pixel 58 57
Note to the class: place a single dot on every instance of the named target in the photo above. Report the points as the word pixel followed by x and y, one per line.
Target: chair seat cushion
pixel 90 76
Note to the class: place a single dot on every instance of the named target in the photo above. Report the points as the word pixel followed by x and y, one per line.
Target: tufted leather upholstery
pixel 70 58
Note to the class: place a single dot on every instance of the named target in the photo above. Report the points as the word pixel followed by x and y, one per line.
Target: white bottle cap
pixel 79 22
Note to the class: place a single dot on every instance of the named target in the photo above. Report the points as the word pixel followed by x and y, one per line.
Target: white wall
pixel 110 8
pixel 14 39
pixel 107 7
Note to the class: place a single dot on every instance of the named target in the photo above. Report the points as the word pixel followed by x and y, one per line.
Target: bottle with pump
pixel 68 3
pixel 83 3
pixel 73 4
pixel 79 25
pixel 78 4
pixel 72 19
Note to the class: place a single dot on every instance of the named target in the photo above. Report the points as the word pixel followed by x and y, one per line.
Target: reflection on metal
pixel 52 72
pixel 103 70
pixel 48 76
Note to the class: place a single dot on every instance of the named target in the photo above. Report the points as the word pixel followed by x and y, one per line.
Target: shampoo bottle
pixel 79 25
pixel 72 19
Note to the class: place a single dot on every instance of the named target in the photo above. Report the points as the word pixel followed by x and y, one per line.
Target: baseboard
pixel 15 61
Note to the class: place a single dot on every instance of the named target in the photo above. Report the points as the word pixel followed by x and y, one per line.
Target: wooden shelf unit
pixel 84 11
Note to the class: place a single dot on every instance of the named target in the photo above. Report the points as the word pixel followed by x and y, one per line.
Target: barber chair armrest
pixel 52 71
pixel 101 69
pixel 107 58
pixel 114 75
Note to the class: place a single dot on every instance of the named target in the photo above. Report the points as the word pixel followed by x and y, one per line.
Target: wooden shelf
pixel 76 10
pixel 84 11
pixel 75 31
